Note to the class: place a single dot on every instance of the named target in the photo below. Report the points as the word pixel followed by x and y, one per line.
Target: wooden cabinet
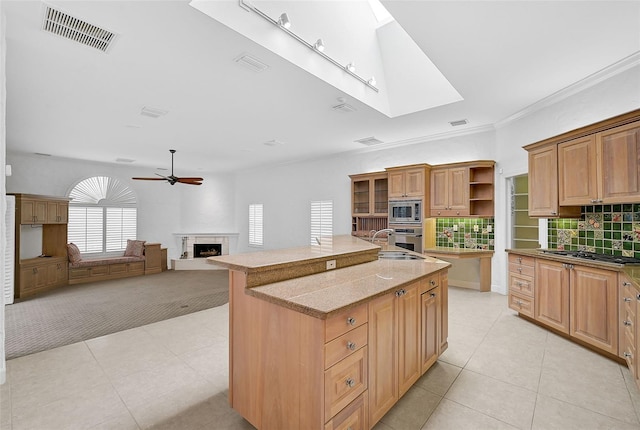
pixel 41 274
pixel 394 348
pixel 450 191
pixel 551 292
pixel 408 181
pixel 577 172
pixel 620 163
pixel 430 316
pixel 521 284
pixel 444 312
pixel 628 319
pixel 463 189
pixel 57 212
pixel 153 258
pixel 543 184
pixel 594 307
pixel 32 211
pixel 369 194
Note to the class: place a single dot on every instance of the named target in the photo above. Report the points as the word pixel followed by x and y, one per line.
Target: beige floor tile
pixel 144 386
pixel 505 402
pixel 453 416
pixel 94 406
pixel 382 426
pixel 439 377
pixel 123 421
pixel 5 405
pixel 554 414
pixel 634 391
pixel 46 363
pixel 211 363
pixel 463 341
pixel 509 326
pixel 412 410
pixel 182 338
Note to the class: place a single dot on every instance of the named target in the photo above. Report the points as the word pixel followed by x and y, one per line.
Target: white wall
pixel 162 209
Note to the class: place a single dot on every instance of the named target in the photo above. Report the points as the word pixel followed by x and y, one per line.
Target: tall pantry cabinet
pixel 50 269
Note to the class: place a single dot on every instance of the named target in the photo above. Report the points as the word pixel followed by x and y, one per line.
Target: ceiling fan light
pixel 284 21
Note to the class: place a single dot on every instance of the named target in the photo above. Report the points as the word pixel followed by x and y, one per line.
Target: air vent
pixel 343 107
pixel 273 142
pixel 124 160
pixel 251 63
pixel 369 141
pixel 64 25
pixel 42 154
pixel 153 112
pixel 459 122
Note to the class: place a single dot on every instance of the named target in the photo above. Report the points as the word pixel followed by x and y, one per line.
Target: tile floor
pixel 499 372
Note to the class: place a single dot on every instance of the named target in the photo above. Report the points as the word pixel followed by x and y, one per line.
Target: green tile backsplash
pixel 461 233
pixel 605 229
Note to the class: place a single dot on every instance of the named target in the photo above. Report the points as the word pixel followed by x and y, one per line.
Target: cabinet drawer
pixel 344 345
pixel 354 416
pixel 98 270
pixel 117 268
pixel 521 284
pixel 518 269
pixel 345 381
pixel 628 318
pixel 521 260
pixel 347 320
pixel 521 303
pixel 629 354
pixel 79 272
pixel 136 266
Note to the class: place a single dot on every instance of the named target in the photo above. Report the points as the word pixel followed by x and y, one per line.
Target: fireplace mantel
pixel 185 242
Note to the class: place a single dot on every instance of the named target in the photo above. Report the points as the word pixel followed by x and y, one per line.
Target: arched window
pixel 102 216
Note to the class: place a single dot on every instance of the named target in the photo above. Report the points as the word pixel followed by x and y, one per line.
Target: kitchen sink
pixel 398 255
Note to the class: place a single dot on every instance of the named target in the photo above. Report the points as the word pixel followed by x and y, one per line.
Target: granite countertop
pixel 461 252
pixel 324 294
pixel 633 272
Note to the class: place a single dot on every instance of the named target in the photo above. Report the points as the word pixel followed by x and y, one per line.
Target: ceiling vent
pixel 369 141
pixel 153 112
pixel 64 25
pixel 273 142
pixel 251 63
pixel 343 107
pixel 459 122
pixel 124 160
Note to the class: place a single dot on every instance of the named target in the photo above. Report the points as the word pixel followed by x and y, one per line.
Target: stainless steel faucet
pixel 384 230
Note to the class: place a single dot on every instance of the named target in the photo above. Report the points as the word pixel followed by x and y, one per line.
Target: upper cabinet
pixel 369 195
pixel 32 211
pixel 597 164
pixel 408 181
pixel 462 190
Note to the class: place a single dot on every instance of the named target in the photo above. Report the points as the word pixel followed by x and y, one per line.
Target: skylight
pixel 380 12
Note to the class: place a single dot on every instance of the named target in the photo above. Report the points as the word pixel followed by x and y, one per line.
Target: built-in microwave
pixel 405 212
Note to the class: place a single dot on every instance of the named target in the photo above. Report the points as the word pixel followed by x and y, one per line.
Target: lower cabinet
pixel 79 275
pixel 628 334
pixel 41 274
pixel 430 316
pixel 552 294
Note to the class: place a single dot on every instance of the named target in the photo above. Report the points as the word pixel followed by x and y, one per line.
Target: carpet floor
pixel 80 312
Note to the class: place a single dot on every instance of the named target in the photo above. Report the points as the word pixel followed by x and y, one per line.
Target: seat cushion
pixel 135 248
pixel 74 253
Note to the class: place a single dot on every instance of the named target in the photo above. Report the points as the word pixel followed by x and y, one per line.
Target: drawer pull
pixel 627 354
pixel 400 292
pixel 351 346
pixel 350 382
pixel 433 283
pixel 626 284
pixel 627 299
pixel 520 269
pixel 351 321
pixel 627 323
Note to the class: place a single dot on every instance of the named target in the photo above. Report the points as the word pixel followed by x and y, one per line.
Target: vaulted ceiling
pixel 74 101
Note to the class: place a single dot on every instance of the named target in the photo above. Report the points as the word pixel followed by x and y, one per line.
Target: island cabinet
pixel 430 322
pixel 408 181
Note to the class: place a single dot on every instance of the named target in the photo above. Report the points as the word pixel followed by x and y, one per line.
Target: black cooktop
pixel 605 258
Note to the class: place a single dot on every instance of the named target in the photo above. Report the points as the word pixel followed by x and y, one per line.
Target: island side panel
pixel 276 362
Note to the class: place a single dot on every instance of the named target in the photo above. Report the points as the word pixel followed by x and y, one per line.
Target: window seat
pixel 81 270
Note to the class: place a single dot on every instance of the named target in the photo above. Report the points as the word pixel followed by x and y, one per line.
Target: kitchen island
pixel 313 347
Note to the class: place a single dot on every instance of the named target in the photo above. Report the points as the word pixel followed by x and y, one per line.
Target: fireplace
pixel 203 250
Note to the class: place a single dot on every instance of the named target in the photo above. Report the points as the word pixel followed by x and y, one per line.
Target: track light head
pixel 284 21
pixel 351 67
pixel 372 81
pixel 319 45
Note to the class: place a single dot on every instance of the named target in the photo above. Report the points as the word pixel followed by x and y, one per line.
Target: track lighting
pixel 284 21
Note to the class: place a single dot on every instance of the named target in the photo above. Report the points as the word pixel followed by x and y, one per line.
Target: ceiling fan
pixel 172 179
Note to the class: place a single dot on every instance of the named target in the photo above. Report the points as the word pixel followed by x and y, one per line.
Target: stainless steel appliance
pixel 408 238
pixel 405 212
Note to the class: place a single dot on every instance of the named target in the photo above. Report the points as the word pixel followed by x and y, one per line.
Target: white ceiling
pixel 73 101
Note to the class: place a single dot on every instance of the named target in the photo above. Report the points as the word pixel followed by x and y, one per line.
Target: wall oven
pixel 407 238
pixel 405 212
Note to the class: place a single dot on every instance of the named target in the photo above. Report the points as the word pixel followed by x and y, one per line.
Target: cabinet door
pixel 594 307
pixel 430 324
pixel 360 198
pixel 439 192
pixel 409 369
pixel 383 356
pixel 578 172
pixel 459 190
pixel 551 292
pixel 620 168
pixel 57 212
pixel 444 311
pixel 543 181
pixel 414 182
pixel 380 196
pixel 33 212
pixel 396 184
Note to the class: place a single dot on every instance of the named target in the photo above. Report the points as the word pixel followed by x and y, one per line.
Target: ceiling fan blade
pixel 189 179
pixel 150 179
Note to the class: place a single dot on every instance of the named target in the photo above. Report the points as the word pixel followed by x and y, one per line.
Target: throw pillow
pixel 74 253
pixel 135 248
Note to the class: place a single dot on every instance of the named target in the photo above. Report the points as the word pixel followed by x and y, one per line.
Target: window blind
pixel 256 224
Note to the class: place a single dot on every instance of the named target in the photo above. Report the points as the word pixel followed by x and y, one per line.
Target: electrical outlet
pixel 489 228
pixel 475 228
pixel 331 264
pixel 455 227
